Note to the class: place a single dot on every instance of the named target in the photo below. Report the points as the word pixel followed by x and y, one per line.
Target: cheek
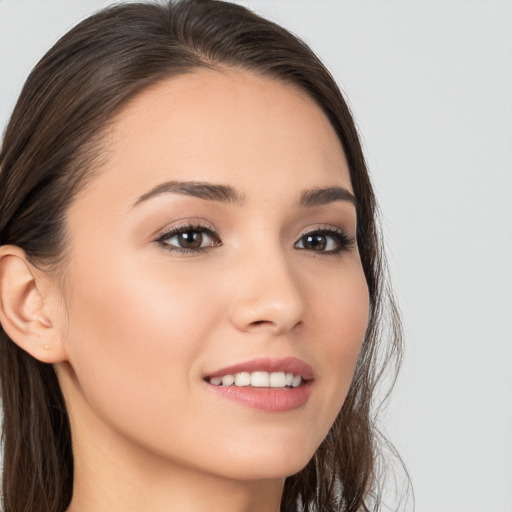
pixel 135 334
pixel 342 317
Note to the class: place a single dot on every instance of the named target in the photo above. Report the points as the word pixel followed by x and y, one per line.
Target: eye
pixel 189 238
pixel 326 240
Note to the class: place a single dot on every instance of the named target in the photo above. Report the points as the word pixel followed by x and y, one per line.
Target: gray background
pixel 430 85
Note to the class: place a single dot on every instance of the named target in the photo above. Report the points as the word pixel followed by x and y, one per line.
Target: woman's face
pixel 217 240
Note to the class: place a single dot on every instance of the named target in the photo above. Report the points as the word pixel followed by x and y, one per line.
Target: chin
pixel 265 464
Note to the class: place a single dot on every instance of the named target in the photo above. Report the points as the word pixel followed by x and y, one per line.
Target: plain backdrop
pixel 430 85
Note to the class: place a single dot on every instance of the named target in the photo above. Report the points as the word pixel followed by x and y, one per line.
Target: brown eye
pixel 315 242
pixel 189 239
pixel 327 241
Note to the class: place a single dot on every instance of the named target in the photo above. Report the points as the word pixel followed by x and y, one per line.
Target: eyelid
pixel 195 223
pixel 332 228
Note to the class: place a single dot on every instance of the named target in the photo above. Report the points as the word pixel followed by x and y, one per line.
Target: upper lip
pixel 270 365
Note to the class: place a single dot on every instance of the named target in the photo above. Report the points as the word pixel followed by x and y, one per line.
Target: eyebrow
pixel 326 195
pixel 202 190
pixel 227 194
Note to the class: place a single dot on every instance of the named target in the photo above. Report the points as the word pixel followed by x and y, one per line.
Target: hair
pixel 50 149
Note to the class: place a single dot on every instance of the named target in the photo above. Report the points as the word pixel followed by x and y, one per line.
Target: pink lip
pixel 265 364
pixel 267 399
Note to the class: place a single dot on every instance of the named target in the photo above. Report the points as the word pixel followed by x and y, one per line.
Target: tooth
pixel 259 379
pixel 227 380
pixel 277 380
pixel 243 379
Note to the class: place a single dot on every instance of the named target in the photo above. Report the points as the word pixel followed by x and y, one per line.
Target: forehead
pixel 223 126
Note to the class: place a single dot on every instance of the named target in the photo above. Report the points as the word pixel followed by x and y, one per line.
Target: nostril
pixel 275 326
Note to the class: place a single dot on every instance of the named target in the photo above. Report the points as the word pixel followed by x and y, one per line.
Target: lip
pixel 267 399
pixel 265 364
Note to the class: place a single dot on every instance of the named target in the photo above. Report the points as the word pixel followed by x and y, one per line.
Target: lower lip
pixel 267 399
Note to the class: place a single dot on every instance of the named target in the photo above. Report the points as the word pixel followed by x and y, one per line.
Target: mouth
pixel 273 385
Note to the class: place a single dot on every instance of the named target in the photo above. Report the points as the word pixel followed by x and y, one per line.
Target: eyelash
pixel 188 228
pixel 341 240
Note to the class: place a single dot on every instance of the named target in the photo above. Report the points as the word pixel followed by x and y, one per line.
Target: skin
pixel 143 324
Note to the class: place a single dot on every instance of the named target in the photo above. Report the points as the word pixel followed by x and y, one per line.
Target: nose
pixel 269 296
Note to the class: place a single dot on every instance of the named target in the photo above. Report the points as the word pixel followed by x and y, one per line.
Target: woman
pixel 191 279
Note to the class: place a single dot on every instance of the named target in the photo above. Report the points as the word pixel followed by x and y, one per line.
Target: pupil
pixel 190 239
pixel 316 242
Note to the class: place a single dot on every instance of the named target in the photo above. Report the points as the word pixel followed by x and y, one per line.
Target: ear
pixel 26 308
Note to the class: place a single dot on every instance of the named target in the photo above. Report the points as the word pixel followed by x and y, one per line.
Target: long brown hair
pixel 49 151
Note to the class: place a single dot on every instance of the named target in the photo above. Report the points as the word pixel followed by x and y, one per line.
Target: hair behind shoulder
pixel 49 152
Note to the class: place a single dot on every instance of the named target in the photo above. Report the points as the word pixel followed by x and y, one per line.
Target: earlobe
pixel 24 315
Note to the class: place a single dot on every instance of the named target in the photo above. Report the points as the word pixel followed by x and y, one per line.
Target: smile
pixel 271 385
pixel 258 379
